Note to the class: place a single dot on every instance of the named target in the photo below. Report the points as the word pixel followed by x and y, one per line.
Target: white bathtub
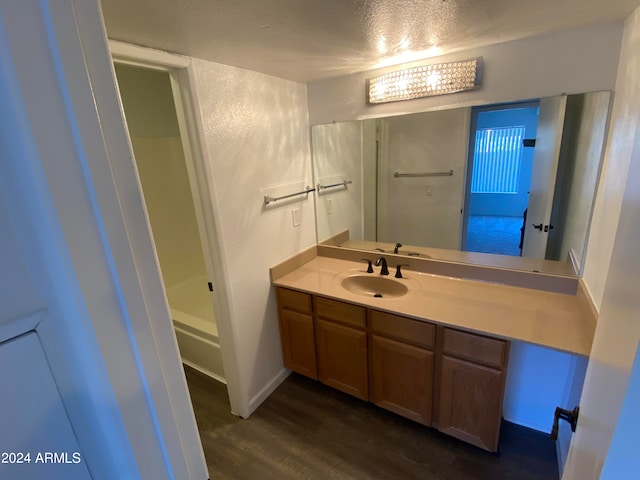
pixel 195 327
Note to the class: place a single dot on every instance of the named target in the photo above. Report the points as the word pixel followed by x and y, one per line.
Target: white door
pixel 85 381
pixel 40 442
pixel 543 176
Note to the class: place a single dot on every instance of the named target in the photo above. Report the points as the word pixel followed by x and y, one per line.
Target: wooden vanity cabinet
pixel 450 379
pixel 341 346
pixel 296 331
pixel 401 365
pixel 472 381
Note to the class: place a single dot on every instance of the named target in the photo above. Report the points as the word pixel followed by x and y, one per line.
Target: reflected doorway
pixel 499 172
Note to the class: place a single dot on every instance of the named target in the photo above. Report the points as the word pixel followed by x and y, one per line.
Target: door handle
pixel 570 416
pixel 542 227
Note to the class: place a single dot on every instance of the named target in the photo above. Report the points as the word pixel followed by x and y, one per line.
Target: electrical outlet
pixel 295 216
pixel 330 205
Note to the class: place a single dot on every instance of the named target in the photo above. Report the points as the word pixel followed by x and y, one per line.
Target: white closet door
pixel 37 441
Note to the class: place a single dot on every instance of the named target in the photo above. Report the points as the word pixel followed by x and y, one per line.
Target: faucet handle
pixel 369 268
pixel 398 272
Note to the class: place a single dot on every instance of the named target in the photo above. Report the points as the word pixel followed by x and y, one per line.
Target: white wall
pixel 337 156
pixel 564 62
pixel 536 382
pixel 625 118
pixel 167 196
pixel 148 101
pixel 256 131
pixel 618 330
pixel 155 137
pixel 424 210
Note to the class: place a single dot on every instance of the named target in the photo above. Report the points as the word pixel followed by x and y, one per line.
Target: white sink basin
pixel 371 285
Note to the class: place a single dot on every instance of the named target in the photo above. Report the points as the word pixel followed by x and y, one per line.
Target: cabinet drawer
pixel 340 312
pixel 402 328
pixel 292 300
pixel 485 350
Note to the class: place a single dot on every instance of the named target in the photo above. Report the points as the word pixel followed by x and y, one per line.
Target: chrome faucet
pixel 395 249
pixel 382 261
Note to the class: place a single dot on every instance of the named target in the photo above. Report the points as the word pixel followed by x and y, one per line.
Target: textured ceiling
pixel 305 40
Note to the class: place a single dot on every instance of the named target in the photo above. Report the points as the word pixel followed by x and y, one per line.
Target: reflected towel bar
pixel 268 199
pixel 428 174
pixel 339 184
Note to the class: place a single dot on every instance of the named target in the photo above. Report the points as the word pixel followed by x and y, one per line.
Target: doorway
pixel 499 168
pixel 160 158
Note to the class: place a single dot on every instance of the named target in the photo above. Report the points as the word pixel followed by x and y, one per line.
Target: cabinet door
pixel 471 402
pixel 298 343
pixel 402 378
pixel 33 417
pixel 342 358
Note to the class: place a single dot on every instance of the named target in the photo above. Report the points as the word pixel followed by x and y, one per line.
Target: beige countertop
pixel 548 319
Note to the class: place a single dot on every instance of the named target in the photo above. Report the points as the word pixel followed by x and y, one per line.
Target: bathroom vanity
pixel 435 352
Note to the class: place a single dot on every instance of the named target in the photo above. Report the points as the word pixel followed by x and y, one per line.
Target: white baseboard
pixel 534 426
pixel 267 390
pixel 204 371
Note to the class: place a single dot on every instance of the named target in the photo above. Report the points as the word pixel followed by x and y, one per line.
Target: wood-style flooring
pixel 306 430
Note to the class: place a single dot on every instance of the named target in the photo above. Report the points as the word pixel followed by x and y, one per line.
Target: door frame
pixel 382 176
pixel 182 78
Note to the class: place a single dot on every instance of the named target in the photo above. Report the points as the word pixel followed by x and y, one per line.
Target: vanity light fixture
pixel 425 81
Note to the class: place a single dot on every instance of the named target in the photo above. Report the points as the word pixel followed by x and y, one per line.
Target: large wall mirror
pixel 508 185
